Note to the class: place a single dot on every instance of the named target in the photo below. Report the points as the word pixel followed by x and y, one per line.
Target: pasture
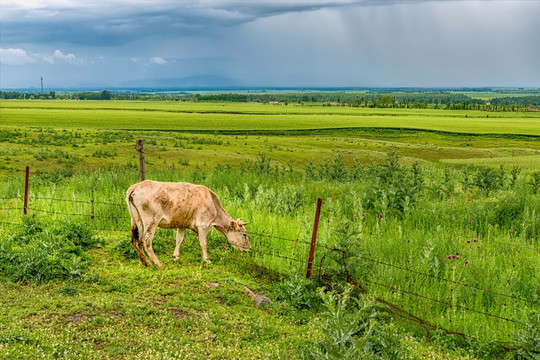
pixel 194 116
pixel 487 95
pixel 417 203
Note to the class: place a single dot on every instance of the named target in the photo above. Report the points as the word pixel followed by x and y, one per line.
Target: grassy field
pixel 487 95
pixel 85 149
pixel 260 117
pixel 397 219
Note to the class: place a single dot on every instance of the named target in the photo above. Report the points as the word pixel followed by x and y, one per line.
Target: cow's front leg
pixel 179 239
pixel 202 240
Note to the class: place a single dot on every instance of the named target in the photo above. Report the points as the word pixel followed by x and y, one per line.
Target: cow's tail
pixel 137 228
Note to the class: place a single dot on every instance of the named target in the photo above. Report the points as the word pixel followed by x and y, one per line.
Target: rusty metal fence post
pixel 313 238
pixel 25 207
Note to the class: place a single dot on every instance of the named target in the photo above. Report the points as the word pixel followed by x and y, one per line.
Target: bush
pixel 527 341
pixel 81 234
pixel 299 292
pixel 29 228
pixel 37 254
pixel 352 329
pixel 43 259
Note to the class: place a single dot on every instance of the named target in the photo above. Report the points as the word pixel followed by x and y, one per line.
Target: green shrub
pixel 352 329
pixel 527 341
pixel 534 182
pixel 80 233
pixel 38 254
pixel 43 259
pixel 299 292
pixel 28 229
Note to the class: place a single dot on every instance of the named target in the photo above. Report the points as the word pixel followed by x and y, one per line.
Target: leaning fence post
pixel 140 149
pixel 25 207
pixel 92 202
pixel 314 238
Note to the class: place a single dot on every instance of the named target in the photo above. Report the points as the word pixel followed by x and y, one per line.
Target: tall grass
pixel 394 222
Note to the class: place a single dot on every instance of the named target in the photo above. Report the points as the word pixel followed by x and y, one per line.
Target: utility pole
pixel 42 84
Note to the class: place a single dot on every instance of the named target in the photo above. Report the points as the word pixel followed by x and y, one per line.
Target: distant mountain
pixel 192 82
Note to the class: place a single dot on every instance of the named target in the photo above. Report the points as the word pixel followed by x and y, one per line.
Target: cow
pixel 180 206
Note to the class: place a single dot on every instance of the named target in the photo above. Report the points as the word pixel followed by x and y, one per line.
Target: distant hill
pixel 191 82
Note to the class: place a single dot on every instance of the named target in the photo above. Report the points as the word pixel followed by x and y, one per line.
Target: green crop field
pixel 432 215
pixel 487 95
pixel 233 116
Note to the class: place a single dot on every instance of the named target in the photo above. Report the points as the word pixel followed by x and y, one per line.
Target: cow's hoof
pixel 175 259
pixel 207 261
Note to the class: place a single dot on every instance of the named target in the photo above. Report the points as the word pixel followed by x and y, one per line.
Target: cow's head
pixel 237 235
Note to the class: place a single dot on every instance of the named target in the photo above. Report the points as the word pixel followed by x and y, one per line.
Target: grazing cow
pixel 179 206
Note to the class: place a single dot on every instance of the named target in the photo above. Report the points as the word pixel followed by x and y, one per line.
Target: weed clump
pixel 526 342
pixel 38 253
pixel 299 292
pixel 352 328
pixel 124 248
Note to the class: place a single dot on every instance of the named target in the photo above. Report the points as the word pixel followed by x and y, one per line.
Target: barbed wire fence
pixel 288 263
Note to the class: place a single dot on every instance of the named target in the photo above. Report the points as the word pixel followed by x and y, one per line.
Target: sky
pixel 308 43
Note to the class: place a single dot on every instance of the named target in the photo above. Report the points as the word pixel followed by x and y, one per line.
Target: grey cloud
pixel 118 22
pixel 282 43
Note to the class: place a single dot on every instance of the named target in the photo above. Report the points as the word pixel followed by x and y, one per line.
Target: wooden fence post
pixel 92 202
pixel 313 238
pixel 140 149
pixel 25 207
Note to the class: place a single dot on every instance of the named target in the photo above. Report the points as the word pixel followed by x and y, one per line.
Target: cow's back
pixel 177 205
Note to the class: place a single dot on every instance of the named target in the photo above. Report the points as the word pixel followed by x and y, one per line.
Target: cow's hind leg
pixel 147 241
pixel 137 244
pixel 179 239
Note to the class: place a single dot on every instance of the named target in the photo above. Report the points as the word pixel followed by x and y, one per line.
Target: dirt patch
pixel 179 314
pixel 76 318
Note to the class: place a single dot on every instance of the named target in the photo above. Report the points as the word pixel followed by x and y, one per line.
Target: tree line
pixel 421 100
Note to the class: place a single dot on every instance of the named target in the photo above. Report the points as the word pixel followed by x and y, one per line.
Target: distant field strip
pixel 524 162
pixel 232 116
pixel 249 108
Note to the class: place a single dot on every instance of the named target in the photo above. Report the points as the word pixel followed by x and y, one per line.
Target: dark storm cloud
pixel 117 22
pixel 271 43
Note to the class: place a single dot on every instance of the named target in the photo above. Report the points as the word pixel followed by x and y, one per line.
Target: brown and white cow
pixel 179 206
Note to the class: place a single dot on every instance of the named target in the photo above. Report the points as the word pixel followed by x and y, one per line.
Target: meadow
pixel 487 95
pixel 424 220
pixel 232 117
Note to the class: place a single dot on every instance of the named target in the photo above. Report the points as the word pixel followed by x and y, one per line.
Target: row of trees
pixel 419 100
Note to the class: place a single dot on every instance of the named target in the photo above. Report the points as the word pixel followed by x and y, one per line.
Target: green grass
pixel 88 148
pixel 117 308
pixel 126 310
pixel 233 116
pixel 486 95
pixel 121 309
pixel 530 163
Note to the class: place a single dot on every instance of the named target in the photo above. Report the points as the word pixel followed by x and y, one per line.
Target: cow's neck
pixel 223 221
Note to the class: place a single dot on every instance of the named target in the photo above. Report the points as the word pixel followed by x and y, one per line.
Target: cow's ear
pixel 233 224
